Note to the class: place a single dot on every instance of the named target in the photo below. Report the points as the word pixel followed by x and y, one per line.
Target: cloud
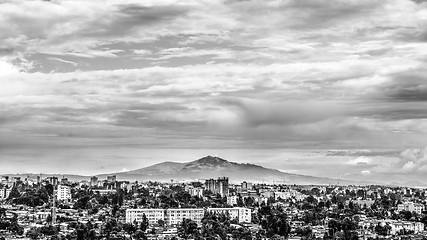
pixel 258 112
pixel 250 74
pixel 360 161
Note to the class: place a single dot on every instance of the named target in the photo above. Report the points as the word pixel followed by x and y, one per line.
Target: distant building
pixel 53 180
pixel 153 215
pixel 64 181
pixel 94 181
pixel 63 192
pixel 195 191
pixel 246 186
pixel 172 216
pixel 175 216
pixel 219 186
pixel 243 215
pixel 4 192
pixel 410 206
pixel 232 200
pixel 111 178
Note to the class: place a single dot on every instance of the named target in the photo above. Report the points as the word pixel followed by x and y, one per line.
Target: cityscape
pixel 213 119
pixel 48 207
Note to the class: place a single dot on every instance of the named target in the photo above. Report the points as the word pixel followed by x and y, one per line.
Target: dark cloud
pixel 408 86
pixel 131 17
pixel 362 153
pixel 258 113
pixel 308 14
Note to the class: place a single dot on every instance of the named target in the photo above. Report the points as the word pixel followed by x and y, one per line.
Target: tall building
pixel 219 186
pixel 53 180
pixel 63 192
pixel 94 181
pixel 4 192
pixel 246 186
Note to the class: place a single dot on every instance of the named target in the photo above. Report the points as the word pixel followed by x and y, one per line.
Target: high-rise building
pixel 53 180
pixel 4 192
pixel 246 186
pixel 94 181
pixel 63 192
pixel 219 186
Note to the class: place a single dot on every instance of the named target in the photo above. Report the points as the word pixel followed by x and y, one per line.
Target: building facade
pixel 153 215
pixel 63 192
pixel 242 215
pixel 410 206
pixel 218 186
pixel 175 216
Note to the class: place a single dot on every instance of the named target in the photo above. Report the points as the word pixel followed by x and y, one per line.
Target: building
pixel 63 192
pixel 4 192
pixel 153 215
pixel 410 206
pixel 111 178
pixel 246 186
pixel 397 226
pixel 195 191
pixel 94 181
pixel 232 200
pixel 53 180
pixel 243 215
pixel 219 186
pixel 175 216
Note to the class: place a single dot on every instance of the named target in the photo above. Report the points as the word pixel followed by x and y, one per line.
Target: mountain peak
pixel 208 162
pixel 211 160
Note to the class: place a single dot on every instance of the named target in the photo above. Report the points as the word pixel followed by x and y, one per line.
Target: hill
pixel 213 167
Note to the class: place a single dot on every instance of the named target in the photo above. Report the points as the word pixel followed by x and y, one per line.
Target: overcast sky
pixel 100 86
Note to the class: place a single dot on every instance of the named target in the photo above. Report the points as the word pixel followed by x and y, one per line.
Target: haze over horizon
pixel 327 88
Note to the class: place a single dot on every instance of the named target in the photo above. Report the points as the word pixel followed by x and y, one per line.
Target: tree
pixel 139 235
pixel 14 193
pixel 187 228
pixel 144 223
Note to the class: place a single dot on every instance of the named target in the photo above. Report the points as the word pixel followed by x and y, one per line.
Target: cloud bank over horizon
pixel 283 74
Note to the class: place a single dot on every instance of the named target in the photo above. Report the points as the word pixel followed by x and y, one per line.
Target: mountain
pixel 214 167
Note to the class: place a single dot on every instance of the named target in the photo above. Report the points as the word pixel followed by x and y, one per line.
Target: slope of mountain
pixel 214 167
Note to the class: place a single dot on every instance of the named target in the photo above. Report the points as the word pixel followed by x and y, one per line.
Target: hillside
pixel 213 167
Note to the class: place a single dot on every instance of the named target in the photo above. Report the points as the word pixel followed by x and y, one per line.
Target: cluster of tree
pixel 11 224
pixel 342 229
pixel 30 196
pixel 214 226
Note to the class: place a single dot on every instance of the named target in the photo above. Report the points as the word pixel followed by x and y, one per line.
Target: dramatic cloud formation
pixel 215 74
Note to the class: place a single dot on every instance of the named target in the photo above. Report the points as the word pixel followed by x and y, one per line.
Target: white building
pixel 153 215
pixel 4 192
pixel 198 191
pixel 243 215
pixel 232 200
pixel 410 206
pixel 63 192
pixel 398 226
pixel 175 216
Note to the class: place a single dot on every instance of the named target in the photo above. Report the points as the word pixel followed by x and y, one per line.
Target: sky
pixel 334 88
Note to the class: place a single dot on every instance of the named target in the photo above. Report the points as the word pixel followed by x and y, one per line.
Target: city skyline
pixel 323 88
